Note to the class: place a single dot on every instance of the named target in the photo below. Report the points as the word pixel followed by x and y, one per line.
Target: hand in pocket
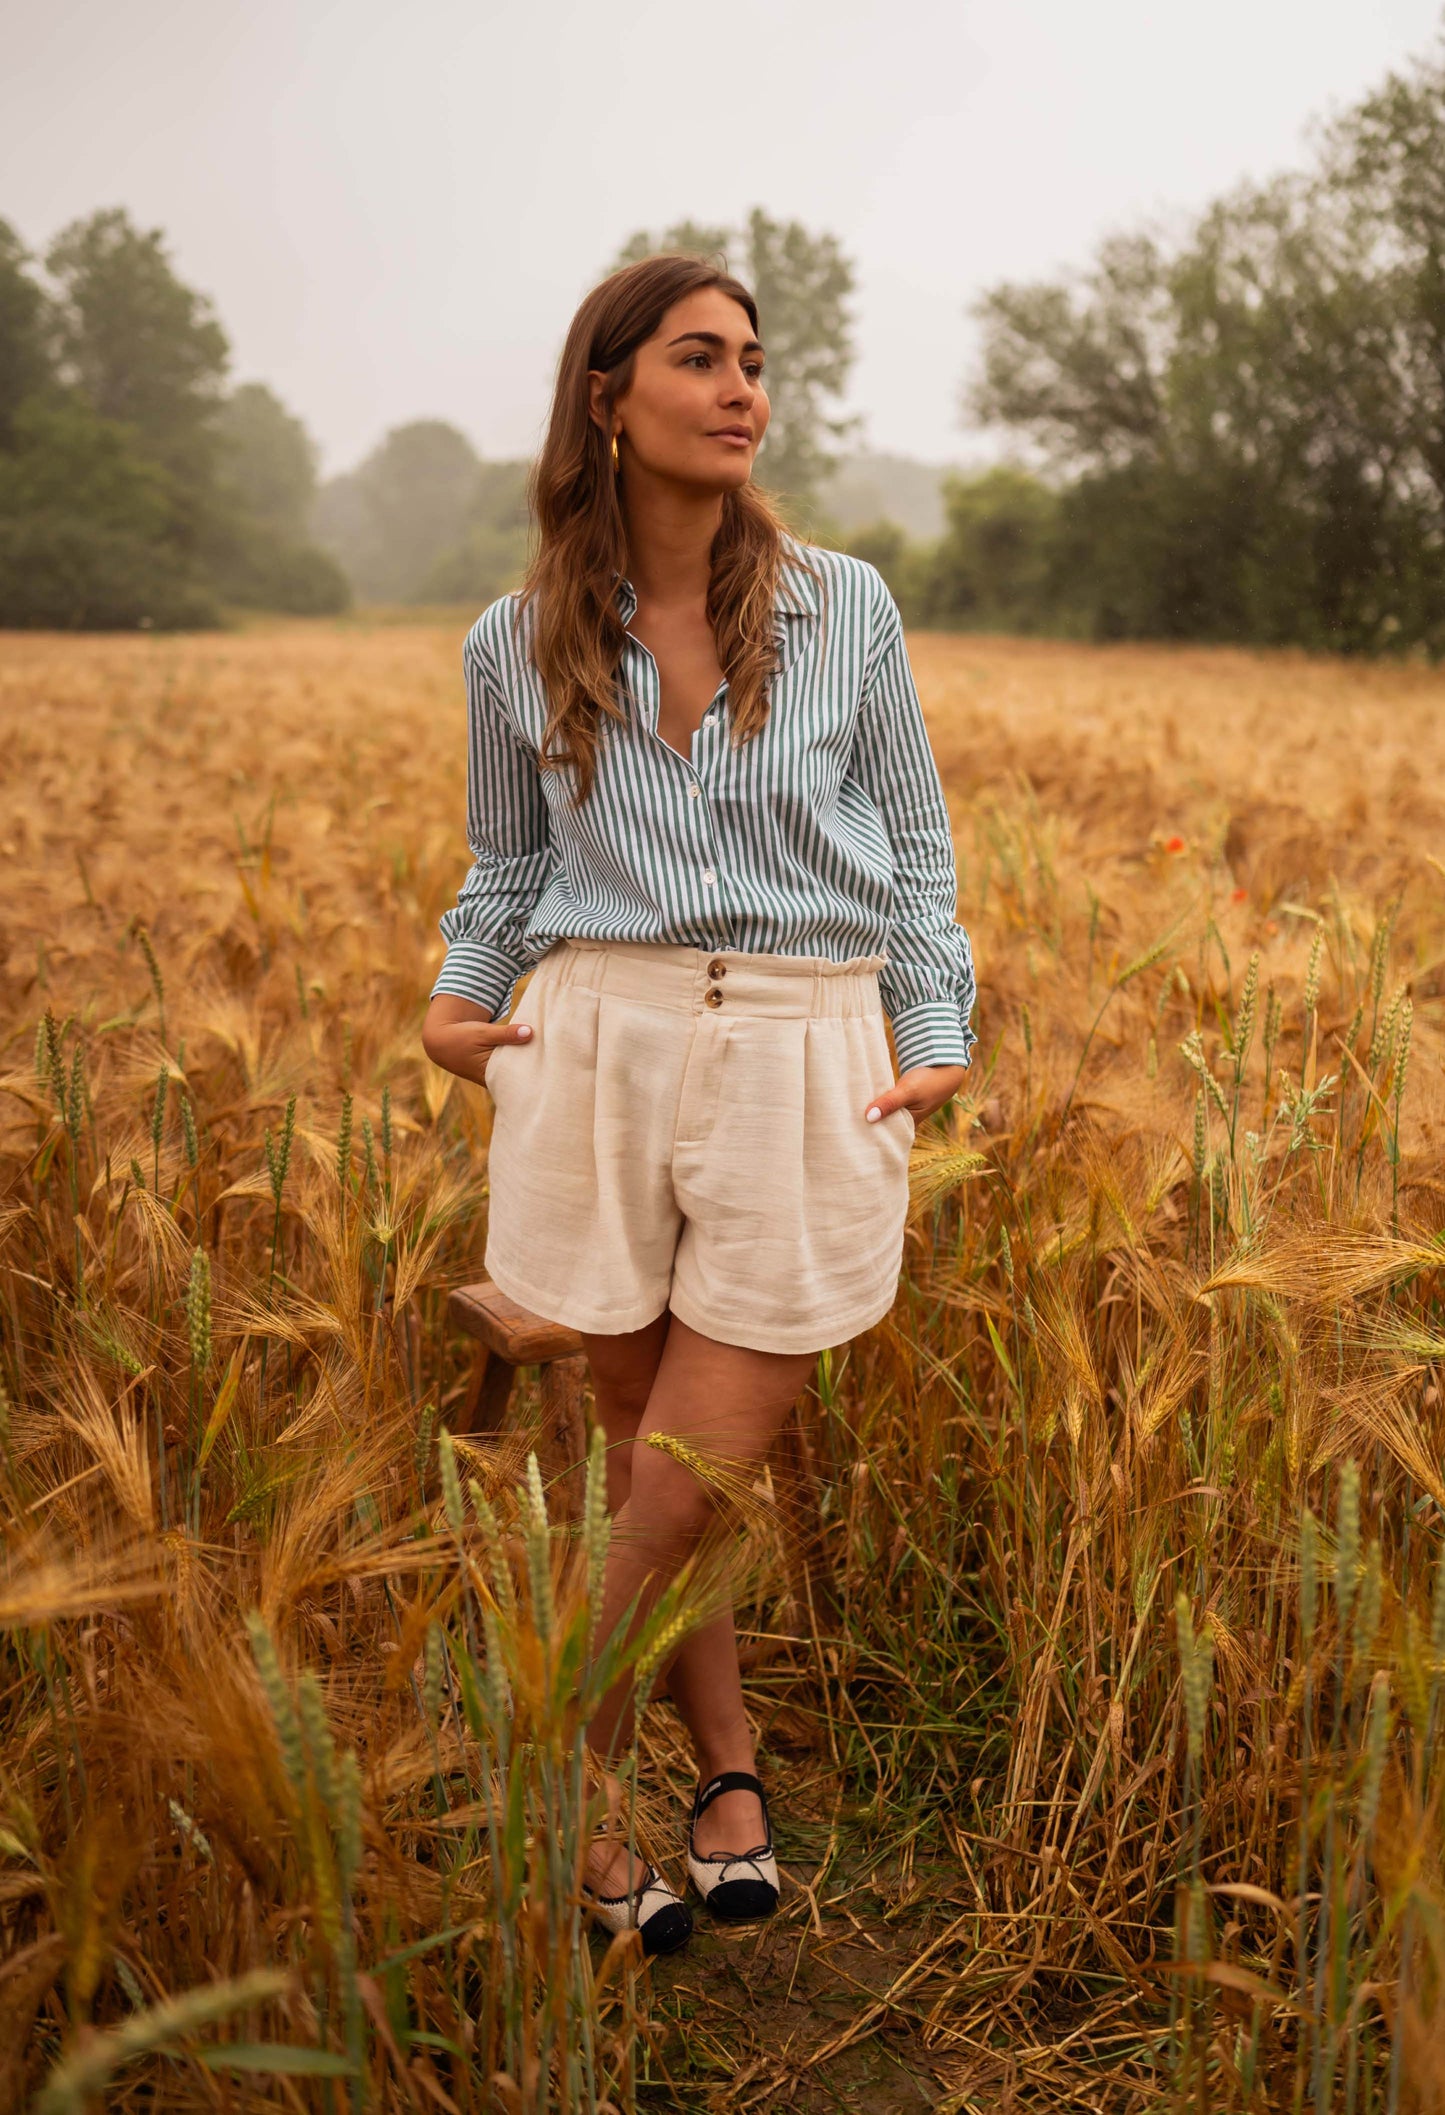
pixel 920 1091
pixel 461 1037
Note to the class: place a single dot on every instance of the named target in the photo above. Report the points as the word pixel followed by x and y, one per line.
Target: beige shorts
pixel 686 1130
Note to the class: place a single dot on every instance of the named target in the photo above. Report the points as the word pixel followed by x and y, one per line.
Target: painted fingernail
pixel 523 1034
pixel 873 1115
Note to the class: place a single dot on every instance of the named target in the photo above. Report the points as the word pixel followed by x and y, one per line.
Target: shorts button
pixel 714 997
pixel 717 969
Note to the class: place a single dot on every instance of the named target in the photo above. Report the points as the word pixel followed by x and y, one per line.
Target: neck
pixel 670 531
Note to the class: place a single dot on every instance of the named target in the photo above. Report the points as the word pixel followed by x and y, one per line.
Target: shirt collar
pixel 799 591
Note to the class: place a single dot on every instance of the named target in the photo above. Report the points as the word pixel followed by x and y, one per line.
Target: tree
pixel 141 347
pixel 491 555
pixel 260 551
pixel 87 528
pixel 1076 365
pixel 268 460
pixel 991 566
pixel 24 363
pixel 1387 156
pixel 906 566
pixel 130 492
pixel 105 462
pixel 1248 423
pixel 390 521
pixel 802 284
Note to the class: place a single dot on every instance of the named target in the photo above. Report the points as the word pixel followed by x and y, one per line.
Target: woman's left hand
pixel 921 1091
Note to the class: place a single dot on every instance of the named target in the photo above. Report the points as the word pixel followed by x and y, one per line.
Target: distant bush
pixel 995 568
pixel 89 538
pixel 59 572
pixel 258 568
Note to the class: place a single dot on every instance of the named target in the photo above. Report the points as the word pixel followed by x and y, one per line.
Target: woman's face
pixel 696 407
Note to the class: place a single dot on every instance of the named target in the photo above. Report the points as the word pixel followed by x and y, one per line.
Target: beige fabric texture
pixel 654 1146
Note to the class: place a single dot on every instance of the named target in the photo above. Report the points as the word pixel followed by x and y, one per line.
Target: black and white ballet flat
pixel 654 1909
pixel 739 1886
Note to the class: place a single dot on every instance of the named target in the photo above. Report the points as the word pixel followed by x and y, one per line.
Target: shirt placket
pixel 703 762
pixel 702 768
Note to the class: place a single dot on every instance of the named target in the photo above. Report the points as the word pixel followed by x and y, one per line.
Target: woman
pixel 702 803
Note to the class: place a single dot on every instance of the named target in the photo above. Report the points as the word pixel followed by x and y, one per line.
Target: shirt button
pixel 694 792
pixel 714 997
pixel 716 968
pixel 709 879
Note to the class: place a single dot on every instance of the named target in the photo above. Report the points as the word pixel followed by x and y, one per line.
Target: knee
pixel 668 1499
pixel 620 1403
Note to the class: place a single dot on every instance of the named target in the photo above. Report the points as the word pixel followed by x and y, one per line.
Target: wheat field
pixel 1093 1606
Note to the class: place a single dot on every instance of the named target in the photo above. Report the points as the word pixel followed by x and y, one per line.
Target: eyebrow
pixel 711 337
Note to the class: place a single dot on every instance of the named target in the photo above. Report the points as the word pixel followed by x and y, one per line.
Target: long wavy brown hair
pixel 570 592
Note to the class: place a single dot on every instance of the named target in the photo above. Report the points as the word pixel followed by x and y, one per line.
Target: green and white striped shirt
pixel 825 834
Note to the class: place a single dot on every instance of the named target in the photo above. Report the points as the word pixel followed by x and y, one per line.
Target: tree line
pixel 138 489
pixel 1232 431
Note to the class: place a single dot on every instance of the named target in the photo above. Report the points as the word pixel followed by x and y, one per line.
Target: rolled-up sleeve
pixel 928 988
pixel 508 835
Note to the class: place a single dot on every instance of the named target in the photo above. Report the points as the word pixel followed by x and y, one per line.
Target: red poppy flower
pixel 1174 844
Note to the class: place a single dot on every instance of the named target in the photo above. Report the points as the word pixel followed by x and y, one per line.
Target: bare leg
pixel 726 1402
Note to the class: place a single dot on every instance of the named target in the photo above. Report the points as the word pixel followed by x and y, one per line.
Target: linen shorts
pixel 686 1130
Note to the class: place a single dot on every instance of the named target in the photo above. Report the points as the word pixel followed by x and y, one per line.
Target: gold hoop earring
pixel 616 458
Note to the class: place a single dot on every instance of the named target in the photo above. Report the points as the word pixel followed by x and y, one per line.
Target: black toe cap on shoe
pixel 667 1928
pixel 742 1900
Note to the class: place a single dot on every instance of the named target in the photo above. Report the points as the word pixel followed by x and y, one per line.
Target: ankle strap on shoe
pixel 727 1781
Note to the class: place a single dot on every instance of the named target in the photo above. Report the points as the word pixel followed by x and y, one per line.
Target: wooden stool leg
pixel 484 1406
pixel 562 1445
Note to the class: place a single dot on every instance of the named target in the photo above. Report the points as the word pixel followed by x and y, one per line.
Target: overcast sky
pixel 395 208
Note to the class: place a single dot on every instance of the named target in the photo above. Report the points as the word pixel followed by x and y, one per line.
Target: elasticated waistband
pixel 726 982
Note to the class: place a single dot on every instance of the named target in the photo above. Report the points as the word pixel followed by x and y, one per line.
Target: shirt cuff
pixel 933 1033
pixel 472 970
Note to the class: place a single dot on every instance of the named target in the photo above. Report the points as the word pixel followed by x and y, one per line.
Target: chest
pixel 666 742
pixel 689 673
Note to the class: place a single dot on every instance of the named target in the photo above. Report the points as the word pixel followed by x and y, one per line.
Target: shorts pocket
pixel 881 1074
pixel 504 1055
pixel 492 1070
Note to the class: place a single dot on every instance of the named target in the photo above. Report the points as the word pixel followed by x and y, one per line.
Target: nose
pixel 737 387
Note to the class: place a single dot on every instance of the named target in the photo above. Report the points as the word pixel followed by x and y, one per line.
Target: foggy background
pixel 395 210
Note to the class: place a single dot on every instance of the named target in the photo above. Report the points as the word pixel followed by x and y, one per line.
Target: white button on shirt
pixel 830 825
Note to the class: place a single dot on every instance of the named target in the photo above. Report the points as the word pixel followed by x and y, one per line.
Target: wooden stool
pixel 508 1336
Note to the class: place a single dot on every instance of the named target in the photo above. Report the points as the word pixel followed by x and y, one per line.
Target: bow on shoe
pixel 737 1885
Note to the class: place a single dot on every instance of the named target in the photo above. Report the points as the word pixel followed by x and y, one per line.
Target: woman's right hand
pixel 460 1036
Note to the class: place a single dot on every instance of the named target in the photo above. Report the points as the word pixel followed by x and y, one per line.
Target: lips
pixel 739 434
